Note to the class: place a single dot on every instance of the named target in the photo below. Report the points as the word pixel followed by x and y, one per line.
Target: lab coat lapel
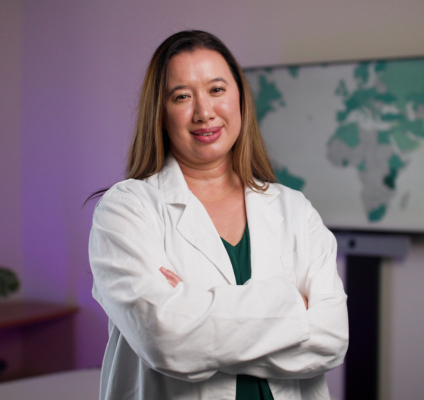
pixel 197 228
pixel 264 227
pixel 194 224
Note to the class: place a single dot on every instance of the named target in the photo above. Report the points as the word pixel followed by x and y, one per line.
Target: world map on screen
pixel 357 129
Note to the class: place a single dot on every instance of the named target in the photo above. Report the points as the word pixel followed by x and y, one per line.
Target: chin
pixel 213 156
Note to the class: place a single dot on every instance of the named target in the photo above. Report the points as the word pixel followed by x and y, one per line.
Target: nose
pixel 203 109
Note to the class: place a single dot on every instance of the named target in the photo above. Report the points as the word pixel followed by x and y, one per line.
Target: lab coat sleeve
pixel 183 332
pixel 327 314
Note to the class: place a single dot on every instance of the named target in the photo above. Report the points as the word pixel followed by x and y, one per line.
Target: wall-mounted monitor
pixel 350 136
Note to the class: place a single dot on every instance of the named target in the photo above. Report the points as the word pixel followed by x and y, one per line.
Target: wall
pixel 10 136
pixel 82 64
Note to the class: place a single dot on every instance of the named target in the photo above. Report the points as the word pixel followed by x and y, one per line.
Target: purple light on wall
pixel 76 125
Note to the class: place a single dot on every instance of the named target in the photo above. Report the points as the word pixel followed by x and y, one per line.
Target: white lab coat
pixel 191 341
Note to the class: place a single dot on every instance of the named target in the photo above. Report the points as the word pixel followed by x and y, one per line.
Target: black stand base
pixel 363 283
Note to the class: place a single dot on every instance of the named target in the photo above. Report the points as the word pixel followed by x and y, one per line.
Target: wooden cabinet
pixel 36 338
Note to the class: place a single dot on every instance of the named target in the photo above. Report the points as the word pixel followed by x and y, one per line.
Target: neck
pixel 210 181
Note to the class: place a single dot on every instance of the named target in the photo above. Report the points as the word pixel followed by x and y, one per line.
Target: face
pixel 202 108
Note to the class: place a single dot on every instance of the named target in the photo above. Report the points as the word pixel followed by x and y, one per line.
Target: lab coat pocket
pixel 288 260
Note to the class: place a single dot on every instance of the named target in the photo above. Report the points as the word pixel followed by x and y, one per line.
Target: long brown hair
pixel 150 143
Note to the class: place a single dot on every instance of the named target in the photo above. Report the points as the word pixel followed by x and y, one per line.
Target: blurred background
pixel 70 72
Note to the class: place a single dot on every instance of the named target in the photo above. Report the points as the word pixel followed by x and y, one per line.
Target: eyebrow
pixel 179 87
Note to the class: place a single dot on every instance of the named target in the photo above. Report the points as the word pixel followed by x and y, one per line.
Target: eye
pixel 181 97
pixel 217 90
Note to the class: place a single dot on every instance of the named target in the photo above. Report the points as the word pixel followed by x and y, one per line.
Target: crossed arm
pixel 188 333
pixel 174 280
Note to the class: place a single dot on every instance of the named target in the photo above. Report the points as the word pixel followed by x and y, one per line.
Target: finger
pixel 168 278
pixel 171 282
pixel 170 274
pixel 171 277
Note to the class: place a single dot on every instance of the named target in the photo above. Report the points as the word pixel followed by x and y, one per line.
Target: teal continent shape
pixel 270 99
pixel 284 177
pixel 381 125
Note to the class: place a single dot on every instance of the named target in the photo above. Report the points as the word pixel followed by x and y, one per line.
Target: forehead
pixel 199 66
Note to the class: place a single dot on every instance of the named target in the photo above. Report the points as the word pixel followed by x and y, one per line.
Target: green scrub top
pixel 248 387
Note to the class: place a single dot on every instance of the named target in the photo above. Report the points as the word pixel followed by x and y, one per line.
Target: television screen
pixel 350 136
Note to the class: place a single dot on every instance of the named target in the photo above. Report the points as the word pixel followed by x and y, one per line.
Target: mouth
pixel 204 134
pixel 207 135
pixel 206 131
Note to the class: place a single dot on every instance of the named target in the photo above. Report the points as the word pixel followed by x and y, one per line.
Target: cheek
pixel 231 110
pixel 176 121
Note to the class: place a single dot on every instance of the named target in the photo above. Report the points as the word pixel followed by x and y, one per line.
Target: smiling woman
pixel 218 283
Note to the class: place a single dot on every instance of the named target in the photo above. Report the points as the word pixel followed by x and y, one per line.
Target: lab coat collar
pixel 194 224
pixel 264 226
pixel 197 228
pixel 172 183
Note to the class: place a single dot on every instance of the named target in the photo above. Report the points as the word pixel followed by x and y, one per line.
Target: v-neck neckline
pixel 241 240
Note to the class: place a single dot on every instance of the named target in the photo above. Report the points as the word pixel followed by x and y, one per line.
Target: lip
pixel 216 133
pixel 202 131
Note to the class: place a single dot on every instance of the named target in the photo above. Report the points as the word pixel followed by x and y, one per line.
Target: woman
pixel 218 283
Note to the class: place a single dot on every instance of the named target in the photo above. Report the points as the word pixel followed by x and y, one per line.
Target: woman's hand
pixel 173 279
